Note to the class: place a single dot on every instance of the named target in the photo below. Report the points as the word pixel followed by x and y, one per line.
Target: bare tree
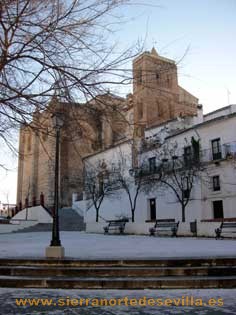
pixel 129 180
pixel 56 46
pixel 177 172
pixel 97 186
pixel 132 186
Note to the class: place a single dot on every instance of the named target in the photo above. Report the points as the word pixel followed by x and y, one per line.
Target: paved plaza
pixel 8 305
pixel 93 246
pixel 99 246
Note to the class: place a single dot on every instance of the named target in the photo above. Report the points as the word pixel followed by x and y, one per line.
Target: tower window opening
pixel 140 110
pixel 139 76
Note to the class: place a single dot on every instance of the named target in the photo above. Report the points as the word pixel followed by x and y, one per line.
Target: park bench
pixel 225 227
pixel 167 225
pixel 116 225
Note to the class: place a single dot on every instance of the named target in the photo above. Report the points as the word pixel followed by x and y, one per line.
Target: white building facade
pixel 213 195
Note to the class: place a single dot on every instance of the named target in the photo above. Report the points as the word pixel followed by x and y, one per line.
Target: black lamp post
pixel 57 122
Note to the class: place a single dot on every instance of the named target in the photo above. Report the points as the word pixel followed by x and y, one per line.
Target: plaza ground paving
pixel 98 246
pixel 8 306
pixel 93 246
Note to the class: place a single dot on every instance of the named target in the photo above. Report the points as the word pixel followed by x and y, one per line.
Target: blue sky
pixel 206 27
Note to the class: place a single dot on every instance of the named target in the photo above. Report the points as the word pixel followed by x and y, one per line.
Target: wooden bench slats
pixel 225 227
pixel 165 224
pixel 168 225
pixel 114 225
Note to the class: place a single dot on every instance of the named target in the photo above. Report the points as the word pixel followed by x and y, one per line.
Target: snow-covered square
pixel 97 246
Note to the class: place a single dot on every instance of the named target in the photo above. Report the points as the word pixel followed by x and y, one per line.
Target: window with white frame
pixel 216 149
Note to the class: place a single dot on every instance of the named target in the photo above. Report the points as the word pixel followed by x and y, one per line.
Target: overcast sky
pixel 205 28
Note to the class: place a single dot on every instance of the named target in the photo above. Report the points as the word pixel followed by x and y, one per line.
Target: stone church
pixel 96 125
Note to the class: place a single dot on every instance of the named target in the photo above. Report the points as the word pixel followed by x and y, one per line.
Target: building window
pixel 218 209
pixel 152 164
pixel 139 75
pixel 216 183
pixel 169 81
pixel 29 143
pixel 216 149
pixel 228 150
pixel 140 110
pixel 159 109
pixel 187 155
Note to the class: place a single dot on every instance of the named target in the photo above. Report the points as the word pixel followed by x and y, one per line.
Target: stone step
pixel 119 283
pixel 69 220
pixel 133 271
pixel 39 227
pixel 118 274
pixel 162 262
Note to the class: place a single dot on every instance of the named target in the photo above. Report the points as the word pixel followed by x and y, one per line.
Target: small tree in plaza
pixel 112 179
pixel 132 185
pixel 177 172
pixel 97 186
pixel 128 178
pixel 180 179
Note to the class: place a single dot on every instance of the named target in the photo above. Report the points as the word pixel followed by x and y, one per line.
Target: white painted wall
pixel 37 213
pixel 226 169
pixel 26 218
pixel 117 203
pixel 204 229
pixel 203 195
pixel 227 110
pixel 200 205
pixel 112 156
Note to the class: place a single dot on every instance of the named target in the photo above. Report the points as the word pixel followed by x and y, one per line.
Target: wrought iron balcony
pixel 146 170
pixel 226 151
pixel 190 160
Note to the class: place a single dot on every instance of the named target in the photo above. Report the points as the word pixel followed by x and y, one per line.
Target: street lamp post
pixel 55 250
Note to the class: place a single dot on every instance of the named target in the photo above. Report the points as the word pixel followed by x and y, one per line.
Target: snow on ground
pixel 91 246
pixel 9 307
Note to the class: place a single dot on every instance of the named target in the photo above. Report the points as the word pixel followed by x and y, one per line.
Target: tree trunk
pixel 132 211
pixel 97 215
pixel 183 213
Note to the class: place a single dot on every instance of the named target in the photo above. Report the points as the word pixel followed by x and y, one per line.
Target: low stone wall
pixel 207 228
pixel 95 227
pixel 37 213
pixel 26 218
